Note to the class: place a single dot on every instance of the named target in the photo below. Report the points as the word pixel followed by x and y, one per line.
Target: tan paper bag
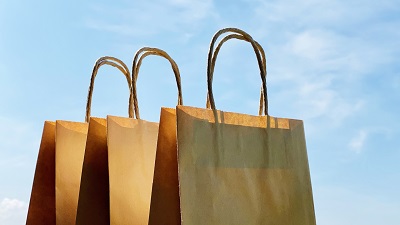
pixel 93 203
pixel 70 148
pixel 42 205
pixel 58 173
pixel 57 179
pixel 165 207
pixel 132 147
pixel 242 169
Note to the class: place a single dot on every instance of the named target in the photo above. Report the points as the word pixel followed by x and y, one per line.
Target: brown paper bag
pixel 93 203
pixel 42 206
pixel 70 148
pixel 165 207
pixel 57 177
pixel 132 147
pixel 241 169
pixel 58 172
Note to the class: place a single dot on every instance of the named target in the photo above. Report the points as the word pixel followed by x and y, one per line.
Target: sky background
pixel 333 64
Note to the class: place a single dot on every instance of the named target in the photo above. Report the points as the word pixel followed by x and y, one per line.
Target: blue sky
pixel 333 64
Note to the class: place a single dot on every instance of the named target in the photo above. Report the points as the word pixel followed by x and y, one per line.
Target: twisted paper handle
pixel 112 61
pixel 260 58
pixel 214 58
pixel 137 62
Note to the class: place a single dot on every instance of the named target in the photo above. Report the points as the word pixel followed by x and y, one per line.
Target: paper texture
pixel 42 206
pixel 164 207
pixel 93 204
pixel 131 155
pixel 70 149
pixel 242 170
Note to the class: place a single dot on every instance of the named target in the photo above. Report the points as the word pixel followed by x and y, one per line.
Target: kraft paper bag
pixel 165 207
pixel 242 169
pixel 132 145
pixel 58 172
pixel 93 203
pixel 70 148
pixel 42 206
pixel 57 178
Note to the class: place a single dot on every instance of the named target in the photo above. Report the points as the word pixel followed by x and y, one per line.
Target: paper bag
pixel 42 205
pixel 93 203
pixel 132 147
pixel 70 148
pixel 242 169
pixel 165 207
pixel 57 179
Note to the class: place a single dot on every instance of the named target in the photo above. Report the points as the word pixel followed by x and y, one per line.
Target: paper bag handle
pixel 112 61
pixel 260 60
pixel 136 67
pixel 214 58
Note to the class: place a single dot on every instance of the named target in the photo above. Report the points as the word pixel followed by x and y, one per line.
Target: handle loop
pixel 210 66
pixel 136 67
pixel 214 58
pixel 112 61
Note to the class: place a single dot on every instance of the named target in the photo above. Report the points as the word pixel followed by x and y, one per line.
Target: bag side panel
pixel 42 205
pixel 93 204
pixel 165 208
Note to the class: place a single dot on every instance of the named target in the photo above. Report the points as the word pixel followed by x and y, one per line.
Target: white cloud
pixel 309 45
pixel 12 211
pixel 321 12
pixel 357 143
pixel 148 18
pixel 122 29
pixel 315 51
pixel 317 99
pixel 193 10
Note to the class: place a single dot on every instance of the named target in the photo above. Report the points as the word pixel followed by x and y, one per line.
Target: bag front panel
pixel 131 155
pixel 236 173
pixel 70 150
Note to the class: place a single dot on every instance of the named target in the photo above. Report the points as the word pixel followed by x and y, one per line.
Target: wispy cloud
pixel 332 14
pixel 311 45
pixel 357 143
pixel 12 211
pixel 317 51
pixel 147 18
